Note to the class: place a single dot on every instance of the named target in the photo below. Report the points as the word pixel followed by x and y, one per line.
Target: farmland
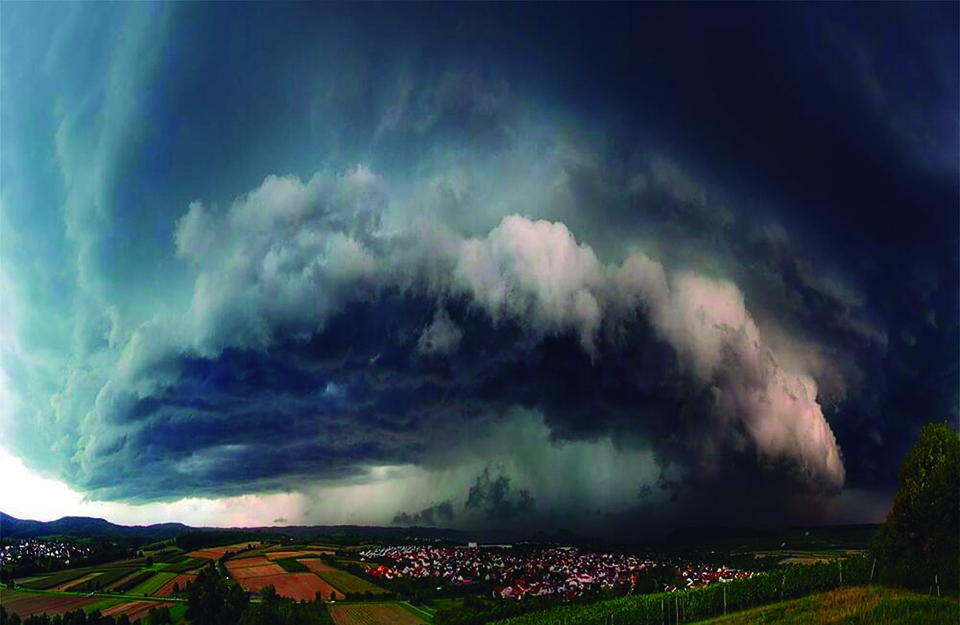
pixel 299 586
pixel 247 562
pixel 180 580
pixel 283 555
pixel 250 572
pixel 373 614
pixel 441 578
pixel 26 604
pixel 341 580
pixel 134 609
pixel 152 584
pixel 189 564
pixel 217 552
pixel 52 581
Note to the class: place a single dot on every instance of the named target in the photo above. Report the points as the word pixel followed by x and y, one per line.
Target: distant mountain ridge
pixel 86 527
pixel 849 536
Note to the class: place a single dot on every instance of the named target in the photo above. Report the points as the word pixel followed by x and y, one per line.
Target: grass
pixel 290 565
pixel 187 565
pixel 860 605
pixel 178 612
pixel 419 612
pixel 347 583
pixel 134 582
pixel 151 584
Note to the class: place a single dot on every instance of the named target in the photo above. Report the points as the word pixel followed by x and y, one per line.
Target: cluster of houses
pixel 30 550
pixel 562 571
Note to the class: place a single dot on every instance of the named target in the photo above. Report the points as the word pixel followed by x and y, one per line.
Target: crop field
pixel 246 562
pixel 112 576
pixel 372 614
pixel 152 584
pixel 123 580
pixel 294 585
pixel 862 604
pixel 317 565
pixel 292 565
pixel 180 580
pixel 52 581
pixel 79 581
pixel 250 572
pixel 283 555
pixel 215 552
pixel 134 609
pixel 26 604
pixel 186 565
pixel 345 582
pixel 134 581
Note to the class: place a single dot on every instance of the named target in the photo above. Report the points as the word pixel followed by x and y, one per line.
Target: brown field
pixel 316 565
pixel 167 589
pixel 294 585
pixel 246 562
pixel 373 614
pixel 215 552
pixel 26 604
pixel 135 609
pixel 250 572
pixel 279 555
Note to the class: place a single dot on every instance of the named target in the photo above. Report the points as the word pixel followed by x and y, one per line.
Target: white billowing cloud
pixel 441 337
pixel 707 322
pixel 289 254
pixel 537 270
pixel 280 259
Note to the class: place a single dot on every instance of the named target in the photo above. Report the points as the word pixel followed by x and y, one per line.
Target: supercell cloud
pixel 521 284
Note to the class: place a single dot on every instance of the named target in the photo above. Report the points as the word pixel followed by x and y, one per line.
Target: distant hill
pixel 734 539
pixel 740 539
pixel 87 527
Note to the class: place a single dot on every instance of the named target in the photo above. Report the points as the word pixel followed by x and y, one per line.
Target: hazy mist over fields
pixel 614 269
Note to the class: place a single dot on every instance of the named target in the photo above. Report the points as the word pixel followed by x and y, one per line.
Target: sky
pixel 613 269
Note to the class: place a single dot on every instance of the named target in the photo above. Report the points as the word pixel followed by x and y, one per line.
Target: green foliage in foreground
pixel 156 616
pixel 919 544
pixel 276 610
pixel 701 603
pixel 852 606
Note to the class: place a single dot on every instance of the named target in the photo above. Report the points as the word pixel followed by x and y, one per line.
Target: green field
pixel 290 565
pixel 852 606
pixel 347 583
pixel 187 565
pixel 152 584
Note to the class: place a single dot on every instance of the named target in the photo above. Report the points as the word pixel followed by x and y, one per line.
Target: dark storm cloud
pixel 436 514
pixel 497 500
pixel 661 225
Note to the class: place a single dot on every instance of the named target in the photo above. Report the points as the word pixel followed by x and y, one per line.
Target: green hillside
pixel 852 606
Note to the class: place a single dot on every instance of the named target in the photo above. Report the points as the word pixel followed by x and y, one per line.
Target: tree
pixel 176 588
pixel 920 540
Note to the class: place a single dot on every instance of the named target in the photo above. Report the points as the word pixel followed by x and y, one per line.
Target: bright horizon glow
pixel 29 496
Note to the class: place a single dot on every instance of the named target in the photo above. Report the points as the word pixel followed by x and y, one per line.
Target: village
pixel 21 551
pixel 563 571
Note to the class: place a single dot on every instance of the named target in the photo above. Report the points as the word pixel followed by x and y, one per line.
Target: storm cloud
pixel 364 266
